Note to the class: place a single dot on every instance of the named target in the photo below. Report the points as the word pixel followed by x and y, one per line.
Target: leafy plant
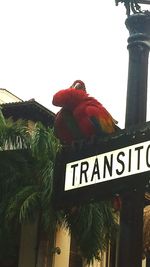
pixel 92 225
pixel 27 159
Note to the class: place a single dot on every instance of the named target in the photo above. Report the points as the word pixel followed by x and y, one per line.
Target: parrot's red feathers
pixel 61 130
pixel 84 113
pixel 69 98
pixel 93 118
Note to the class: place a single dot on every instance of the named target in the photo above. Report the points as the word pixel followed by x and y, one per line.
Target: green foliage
pixel 14 175
pixel 27 158
pixel 13 135
pixel 26 181
pixel 93 226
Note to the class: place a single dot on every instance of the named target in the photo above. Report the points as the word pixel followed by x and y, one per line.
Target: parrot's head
pixel 69 98
pixel 79 85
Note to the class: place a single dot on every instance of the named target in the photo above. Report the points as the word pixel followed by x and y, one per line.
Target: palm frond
pixel 2 119
pixel 17 135
pixel 39 141
pixel 47 182
pixel 43 140
pixel 54 145
pixel 22 203
pixel 30 207
pixel 13 135
pixel 92 226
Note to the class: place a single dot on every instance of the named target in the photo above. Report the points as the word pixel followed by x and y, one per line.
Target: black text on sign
pixel 108 166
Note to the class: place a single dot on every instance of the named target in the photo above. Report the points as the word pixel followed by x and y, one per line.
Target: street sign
pixel 108 166
pixel 90 171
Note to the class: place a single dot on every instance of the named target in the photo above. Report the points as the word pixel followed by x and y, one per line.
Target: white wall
pixel 63 242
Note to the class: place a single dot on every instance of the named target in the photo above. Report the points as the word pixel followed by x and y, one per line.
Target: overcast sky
pixel 47 44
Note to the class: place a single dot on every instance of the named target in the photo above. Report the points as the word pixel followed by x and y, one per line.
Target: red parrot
pixel 81 116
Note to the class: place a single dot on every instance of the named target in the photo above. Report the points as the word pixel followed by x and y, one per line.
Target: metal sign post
pixel 131 226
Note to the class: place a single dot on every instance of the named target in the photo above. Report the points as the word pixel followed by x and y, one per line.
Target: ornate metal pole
pixel 131 220
pixel 138 45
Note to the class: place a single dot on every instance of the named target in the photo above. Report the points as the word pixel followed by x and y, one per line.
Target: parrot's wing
pixel 66 127
pixel 72 124
pixel 93 118
pixel 101 118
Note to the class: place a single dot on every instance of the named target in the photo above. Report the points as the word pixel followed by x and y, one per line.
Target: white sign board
pixel 108 166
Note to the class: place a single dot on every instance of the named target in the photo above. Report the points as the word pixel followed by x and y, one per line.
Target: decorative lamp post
pixel 131 226
pixel 133 5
